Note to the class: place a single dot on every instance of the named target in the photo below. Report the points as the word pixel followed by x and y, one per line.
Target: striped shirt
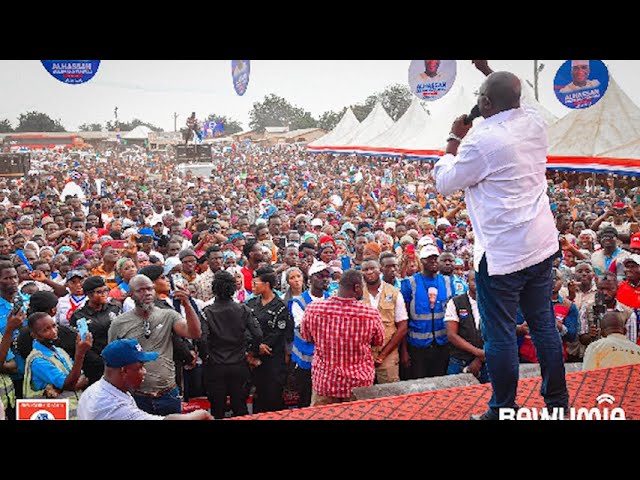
pixel 343 331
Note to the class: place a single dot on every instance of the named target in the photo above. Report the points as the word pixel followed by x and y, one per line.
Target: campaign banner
pixel 240 70
pixel 42 409
pixel 581 83
pixel 72 71
pixel 431 79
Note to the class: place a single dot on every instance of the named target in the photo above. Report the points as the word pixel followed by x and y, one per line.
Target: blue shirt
pixel 5 309
pixel 608 260
pixel 459 285
pixel 43 372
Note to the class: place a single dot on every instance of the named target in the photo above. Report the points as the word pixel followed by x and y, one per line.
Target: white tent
pixel 601 138
pixel 345 126
pixel 377 122
pixel 444 111
pixel 528 96
pixel 406 136
pixel 139 133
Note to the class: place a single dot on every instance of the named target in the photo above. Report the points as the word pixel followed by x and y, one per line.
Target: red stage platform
pixel 622 383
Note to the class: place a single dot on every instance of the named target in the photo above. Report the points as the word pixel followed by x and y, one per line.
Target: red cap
pixel 411 249
pixel 619 205
pixel 635 241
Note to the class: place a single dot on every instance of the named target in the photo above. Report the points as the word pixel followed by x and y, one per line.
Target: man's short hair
pixel 350 279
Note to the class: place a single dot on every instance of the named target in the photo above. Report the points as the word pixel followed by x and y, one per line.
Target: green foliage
pixel 5 126
pixel 275 111
pixel 90 127
pixel 328 120
pixel 395 100
pixel 38 122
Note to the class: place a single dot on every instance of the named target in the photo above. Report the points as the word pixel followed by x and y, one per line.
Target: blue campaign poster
pixel 72 71
pixel 431 79
pixel 240 70
pixel 581 83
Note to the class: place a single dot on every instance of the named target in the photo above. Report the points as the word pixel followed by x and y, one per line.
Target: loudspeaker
pixel 14 164
pixel 194 153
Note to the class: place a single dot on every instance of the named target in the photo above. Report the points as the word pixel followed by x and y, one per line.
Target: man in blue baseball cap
pixel 109 397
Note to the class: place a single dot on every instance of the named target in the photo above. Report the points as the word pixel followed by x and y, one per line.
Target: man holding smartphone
pixel 98 314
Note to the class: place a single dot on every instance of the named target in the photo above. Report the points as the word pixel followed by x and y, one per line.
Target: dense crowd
pixel 216 275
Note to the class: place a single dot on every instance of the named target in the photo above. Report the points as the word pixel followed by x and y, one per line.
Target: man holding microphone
pixel 501 167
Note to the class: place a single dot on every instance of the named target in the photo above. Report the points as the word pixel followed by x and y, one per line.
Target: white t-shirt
pixel 103 401
pixel 297 312
pixel 452 316
pixel 401 308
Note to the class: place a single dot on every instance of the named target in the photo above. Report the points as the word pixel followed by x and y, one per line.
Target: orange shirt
pixel 109 278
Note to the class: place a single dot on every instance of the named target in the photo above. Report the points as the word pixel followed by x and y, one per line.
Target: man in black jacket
pixel 99 314
pixel 463 332
pixel 228 330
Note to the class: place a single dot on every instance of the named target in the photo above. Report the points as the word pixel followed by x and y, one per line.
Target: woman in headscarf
pixel 294 281
pixel 242 294
pixel 125 269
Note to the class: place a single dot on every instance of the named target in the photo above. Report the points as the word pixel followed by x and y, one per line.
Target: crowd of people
pixel 226 281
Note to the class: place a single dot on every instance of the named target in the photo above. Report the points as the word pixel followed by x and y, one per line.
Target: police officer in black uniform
pixel 277 328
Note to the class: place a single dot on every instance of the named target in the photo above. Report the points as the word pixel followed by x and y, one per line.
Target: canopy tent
pixel 139 133
pixel 334 138
pixel 422 131
pixel 528 96
pixel 601 139
pixel 377 122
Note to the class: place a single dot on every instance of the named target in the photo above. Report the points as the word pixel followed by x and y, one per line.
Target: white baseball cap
pixel 317 222
pixel 428 251
pixel 317 267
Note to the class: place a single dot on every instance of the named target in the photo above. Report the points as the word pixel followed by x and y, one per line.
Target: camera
pixel 599 309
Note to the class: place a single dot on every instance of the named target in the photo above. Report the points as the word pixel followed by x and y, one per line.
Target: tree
pixel 328 120
pixel 395 100
pixel 5 126
pixel 90 127
pixel 38 122
pixel 275 111
pixel 230 126
pixel 302 119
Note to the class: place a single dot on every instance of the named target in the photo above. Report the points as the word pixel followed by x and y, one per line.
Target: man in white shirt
pixel 462 318
pixel 501 166
pixel 614 349
pixel 390 303
pixel 109 397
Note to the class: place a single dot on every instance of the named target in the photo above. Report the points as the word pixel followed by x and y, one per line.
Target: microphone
pixel 475 113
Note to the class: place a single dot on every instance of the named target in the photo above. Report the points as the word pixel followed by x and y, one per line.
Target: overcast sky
pixel 152 90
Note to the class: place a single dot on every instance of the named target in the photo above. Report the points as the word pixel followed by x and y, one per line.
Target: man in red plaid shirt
pixel 343 330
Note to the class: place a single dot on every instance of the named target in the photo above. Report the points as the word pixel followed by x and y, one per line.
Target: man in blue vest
pixel 302 352
pixel 424 351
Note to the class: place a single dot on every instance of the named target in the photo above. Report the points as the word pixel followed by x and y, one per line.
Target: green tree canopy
pixel 395 100
pixel 5 126
pixel 90 127
pixel 275 111
pixel 328 120
pixel 38 122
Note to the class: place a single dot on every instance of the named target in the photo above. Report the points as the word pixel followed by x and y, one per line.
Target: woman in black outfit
pixel 277 328
pixel 227 329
